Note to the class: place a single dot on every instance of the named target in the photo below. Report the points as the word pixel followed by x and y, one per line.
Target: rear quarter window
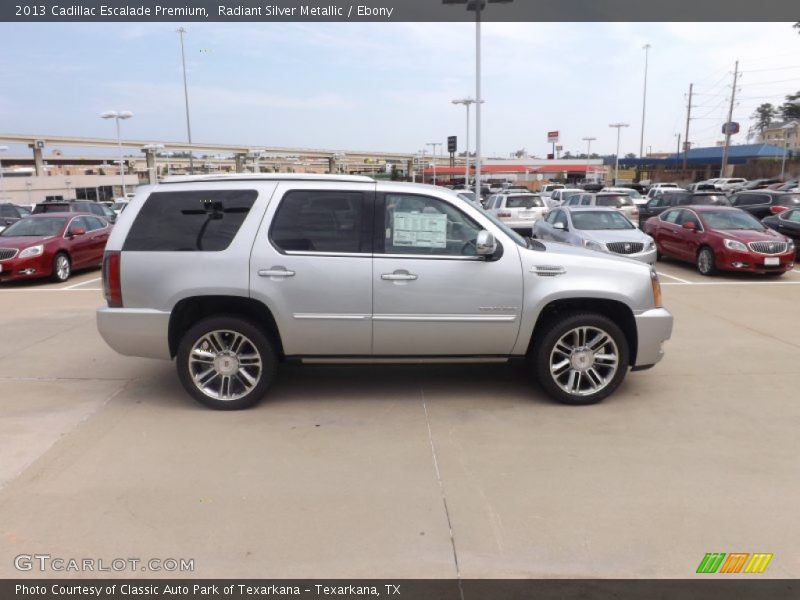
pixel 203 220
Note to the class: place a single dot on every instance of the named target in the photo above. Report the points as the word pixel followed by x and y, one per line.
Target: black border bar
pixel 702 588
pixel 397 10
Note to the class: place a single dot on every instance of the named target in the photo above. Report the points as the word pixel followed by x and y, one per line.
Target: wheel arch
pixel 190 310
pixel 619 312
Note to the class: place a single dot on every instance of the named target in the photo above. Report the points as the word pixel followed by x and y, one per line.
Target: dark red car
pixel 52 245
pixel 718 237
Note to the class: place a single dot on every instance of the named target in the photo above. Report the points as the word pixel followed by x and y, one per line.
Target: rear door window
pixel 323 221
pixel 202 220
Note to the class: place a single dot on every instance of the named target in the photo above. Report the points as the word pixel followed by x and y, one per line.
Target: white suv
pixel 518 210
pixel 230 275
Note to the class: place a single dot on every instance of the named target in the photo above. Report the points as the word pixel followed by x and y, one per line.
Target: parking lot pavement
pixel 408 471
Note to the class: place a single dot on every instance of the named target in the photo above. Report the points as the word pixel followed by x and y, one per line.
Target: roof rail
pixel 267 177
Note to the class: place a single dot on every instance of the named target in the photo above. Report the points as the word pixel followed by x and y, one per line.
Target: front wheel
pixel 580 358
pixel 62 268
pixel 706 263
pixel 226 362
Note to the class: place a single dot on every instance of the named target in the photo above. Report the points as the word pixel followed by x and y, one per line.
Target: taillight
pixel 776 209
pixel 112 283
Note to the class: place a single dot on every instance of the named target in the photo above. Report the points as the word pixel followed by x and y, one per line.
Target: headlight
pixel 592 245
pixel 651 245
pixel 789 245
pixel 734 245
pixel 32 251
pixel 655 284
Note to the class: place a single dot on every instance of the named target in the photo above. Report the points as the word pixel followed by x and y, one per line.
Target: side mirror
pixel 560 226
pixel 77 231
pixel 690 226
pixel 485 244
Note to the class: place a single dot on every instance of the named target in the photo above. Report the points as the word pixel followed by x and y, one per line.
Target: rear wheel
pixel 580 358
pixel 62 268
pixel 706 262
pixel 226 362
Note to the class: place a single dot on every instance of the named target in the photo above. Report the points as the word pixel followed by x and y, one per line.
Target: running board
pixel 345 360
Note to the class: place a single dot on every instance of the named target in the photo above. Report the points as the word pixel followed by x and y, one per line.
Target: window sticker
pixel 420 230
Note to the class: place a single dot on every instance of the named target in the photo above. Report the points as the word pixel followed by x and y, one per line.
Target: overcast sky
pixel 376 86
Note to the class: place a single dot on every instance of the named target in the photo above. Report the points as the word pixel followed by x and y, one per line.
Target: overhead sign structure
pixel 730 127
pixel 552 137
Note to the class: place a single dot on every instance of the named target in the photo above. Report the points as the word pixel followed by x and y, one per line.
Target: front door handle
pixel 399 276
pixel 275 272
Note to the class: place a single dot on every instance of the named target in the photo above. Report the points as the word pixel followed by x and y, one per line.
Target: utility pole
pixel 618 127
pixel 588 141
pixel 180 31
pixel 678 151
pixel 434 153
pixel 727 123
pixel 686 137
pixel 646 49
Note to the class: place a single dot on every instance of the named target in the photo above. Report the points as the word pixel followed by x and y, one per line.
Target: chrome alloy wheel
pixel 705 261
pixel 225 365
pixel 584 360
pixel 62 267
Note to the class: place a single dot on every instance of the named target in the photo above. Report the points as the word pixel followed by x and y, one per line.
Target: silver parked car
pixel 253 270
pixel 622 202
pixel 596 228
pixel 517 210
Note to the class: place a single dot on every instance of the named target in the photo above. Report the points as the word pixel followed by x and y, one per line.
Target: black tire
pixel 706 262
pixel 255 342
pixel 62 268
pixel 544 347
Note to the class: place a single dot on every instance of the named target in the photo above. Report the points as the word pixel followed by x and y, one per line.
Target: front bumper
pixel 135 331
pixel 752 262
pixel 653 328
pixel 25 268
pixel 647 257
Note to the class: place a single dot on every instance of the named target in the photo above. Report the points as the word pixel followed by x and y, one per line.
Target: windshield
pixel 600 219
pixel 615 201
pixel 731 219
pixel 523 201
pixel 789 200
pixel 35 227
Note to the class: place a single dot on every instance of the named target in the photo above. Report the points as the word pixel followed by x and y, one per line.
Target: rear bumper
pixel 653 328
pixel 135 331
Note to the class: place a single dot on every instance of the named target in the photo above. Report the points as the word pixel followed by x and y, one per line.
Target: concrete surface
pixel 407 471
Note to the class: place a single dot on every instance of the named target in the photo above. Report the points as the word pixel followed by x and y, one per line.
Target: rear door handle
pixel 275 272
pixel 399 276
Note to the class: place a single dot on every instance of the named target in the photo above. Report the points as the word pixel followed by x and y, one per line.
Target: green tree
pixel 791 108
pixel 764 115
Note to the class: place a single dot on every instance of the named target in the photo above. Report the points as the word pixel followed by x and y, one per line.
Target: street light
pixel 646 49
pixel 180 31
pixel 618 127
pixel 2 183
pixel 118 115
pixel 433 152
pixel 477 6
pixel 154 148
pixel 466 102
pixel 588 141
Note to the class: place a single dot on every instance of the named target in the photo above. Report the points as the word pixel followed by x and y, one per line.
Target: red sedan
pixel 52 245
pixel 717 237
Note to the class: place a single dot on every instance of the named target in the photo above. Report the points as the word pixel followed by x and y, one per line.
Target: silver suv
pixel 231 275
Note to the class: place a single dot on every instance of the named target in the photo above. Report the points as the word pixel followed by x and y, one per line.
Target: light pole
pixel 2 183
pixel 28 186
pixel 180 32
pixel 466 102
pixel 646 49
pixel 433 152
pixel 618 127
pixel 477 6
pixel 422 165
pixel 117 115
pixel 588 141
